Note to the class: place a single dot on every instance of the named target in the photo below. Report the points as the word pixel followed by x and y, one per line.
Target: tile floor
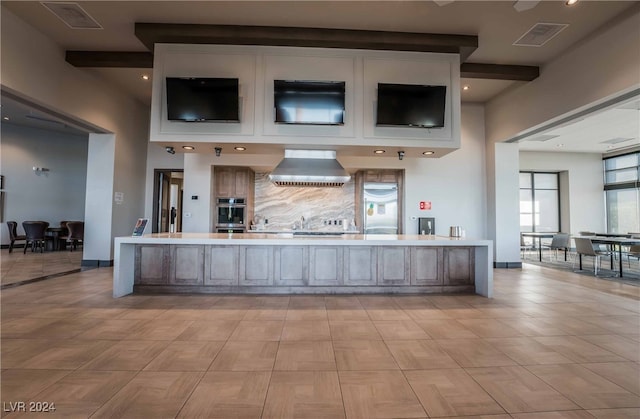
pixel 17 266
pixel 551 344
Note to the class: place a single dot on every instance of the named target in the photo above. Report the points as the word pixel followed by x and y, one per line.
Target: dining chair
pixel 560 241
pixel 584 247
pixel 35 234
pixel 13 234
pixel 76 234
pixel 524 247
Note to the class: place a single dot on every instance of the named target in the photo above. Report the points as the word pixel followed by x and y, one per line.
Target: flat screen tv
pixel 411 105
pixel 309 102
pixel 202 99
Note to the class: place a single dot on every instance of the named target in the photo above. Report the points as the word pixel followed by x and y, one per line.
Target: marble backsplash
pixel 282 206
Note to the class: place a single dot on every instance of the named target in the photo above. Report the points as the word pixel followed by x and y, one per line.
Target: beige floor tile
pixel 186 356
pixel 420 355
pixel 28 327
pixel 348 314
pixel 584 387
pixel 141 314
pixel 530 326
pixel 126 355
pixel 258 330
pixel 400 329
pixel 569 414
pixel 451 392
pixel 305 356
pixel 151 395
pixel 619 345
pixel 466 312
pixel 363 355
pixel 306 330
pixel 576 326
pixel 474 353
pixel 527 351
pixel 15 352
pixel 630 413
pixel 246 356
pixel 342 302
pixel 445 329
pixel 620 325
pixel 578 350
pixel 229 313
pixel 265 313
pixel 490 328
pixel 307 302
pixel 219 330
pixel 624 374
pixel 353 330
pixel 378 394
pixel 81 393
pixel 22 385
pixel 517 390
pixel 225 395
pixel 426 313
pixel 160 329
pixel 117 329
pixel 304 394
pixel 387 314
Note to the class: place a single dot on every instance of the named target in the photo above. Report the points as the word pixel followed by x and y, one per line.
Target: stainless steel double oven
pixel 231 215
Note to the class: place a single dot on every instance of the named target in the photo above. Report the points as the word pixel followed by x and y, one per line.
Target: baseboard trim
pixel 95 263
pixel 507 265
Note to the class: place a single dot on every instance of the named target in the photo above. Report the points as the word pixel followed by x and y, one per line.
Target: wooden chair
pixel 13 235
pixel 35 234
pixel 76 234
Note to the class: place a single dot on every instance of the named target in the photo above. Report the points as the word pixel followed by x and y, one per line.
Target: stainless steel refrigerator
pixel 380 208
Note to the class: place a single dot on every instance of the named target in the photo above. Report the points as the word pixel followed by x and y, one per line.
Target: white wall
pixel 34 68
pixel 52 196
pixel 455 183
pixel 585 184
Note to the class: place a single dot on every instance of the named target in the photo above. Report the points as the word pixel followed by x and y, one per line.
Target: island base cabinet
pixel 459 266
pixel 325 265
pixel 221 265
pixel 151 264
pixel 393 265
pixel 187 265
pixel 256 265
pixel 291 265
pixel 360 265
pixel 426 266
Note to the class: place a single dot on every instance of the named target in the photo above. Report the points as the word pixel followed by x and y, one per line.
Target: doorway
pixel 167 198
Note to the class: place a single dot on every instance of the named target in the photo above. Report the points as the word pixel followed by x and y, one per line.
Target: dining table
pixel 55 233
pixel 540 236
pixel 615 242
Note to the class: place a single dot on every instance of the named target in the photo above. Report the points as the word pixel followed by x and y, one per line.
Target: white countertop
pixel 279 239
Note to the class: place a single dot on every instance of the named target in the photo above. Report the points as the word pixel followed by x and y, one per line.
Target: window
pixel 539 202
pixel 622 193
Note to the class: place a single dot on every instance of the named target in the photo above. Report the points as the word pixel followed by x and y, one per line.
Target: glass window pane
pixel 624 175
pixel 545 180
pixel 623 210
pixel 525 180
pixel 526 210
pixel 620 162
pixel 546 211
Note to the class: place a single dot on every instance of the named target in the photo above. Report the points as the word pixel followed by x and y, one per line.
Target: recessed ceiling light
pixel 6 118
pixel 239 148
pixel 465 87
pixel 379 151
pixel 145 77
pixel 611 146
pixel 559 145
pixel 571 2
pixel 188 147
pixel 428 153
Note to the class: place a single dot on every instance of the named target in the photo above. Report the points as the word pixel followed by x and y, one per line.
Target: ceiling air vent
pixel 616 140
pixel 540 34
pixel 542 138
pixel 72 14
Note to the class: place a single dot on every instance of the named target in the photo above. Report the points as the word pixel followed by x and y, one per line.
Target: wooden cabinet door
pixel 256 265
pixel 151 264
pixel 221 265
pixel 241 183
pixel 187 265
pixel 393 265
pixel 459 265
pixel 325 265
pixel 426 266
pixel 291 265
pixel 360 265
pixel 225 182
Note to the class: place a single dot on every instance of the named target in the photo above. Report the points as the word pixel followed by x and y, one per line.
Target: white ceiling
pixel 497 24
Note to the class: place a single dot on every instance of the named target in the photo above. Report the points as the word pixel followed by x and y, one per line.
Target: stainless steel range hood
pixel 309 168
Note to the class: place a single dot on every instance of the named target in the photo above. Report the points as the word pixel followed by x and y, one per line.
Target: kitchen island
pixel 285 263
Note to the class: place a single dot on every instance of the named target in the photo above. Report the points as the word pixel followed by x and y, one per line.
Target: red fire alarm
pixel 425 205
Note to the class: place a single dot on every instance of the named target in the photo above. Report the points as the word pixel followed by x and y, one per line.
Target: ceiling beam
pixel 152 33
pixel 113 59
pixel 499 71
